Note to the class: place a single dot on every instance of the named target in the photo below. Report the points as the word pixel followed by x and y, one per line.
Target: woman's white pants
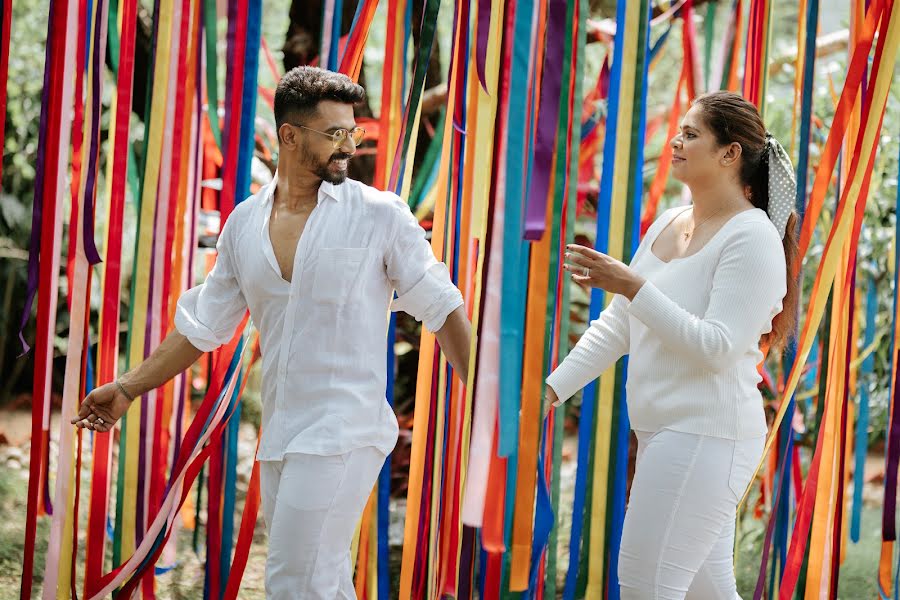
pixel 312 505
pixel 678 535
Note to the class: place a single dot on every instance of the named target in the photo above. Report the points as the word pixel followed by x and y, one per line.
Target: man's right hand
pixel 106 405
pixel 102 408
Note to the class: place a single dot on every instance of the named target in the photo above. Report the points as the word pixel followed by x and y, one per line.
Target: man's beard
pixel 328 170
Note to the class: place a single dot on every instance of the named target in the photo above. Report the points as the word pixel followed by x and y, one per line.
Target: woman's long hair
pixel 734 120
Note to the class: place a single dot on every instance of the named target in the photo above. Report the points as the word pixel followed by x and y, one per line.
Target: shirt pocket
pixel 337 275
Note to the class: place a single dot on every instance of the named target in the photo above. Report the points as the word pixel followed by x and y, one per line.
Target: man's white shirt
pixel 323 336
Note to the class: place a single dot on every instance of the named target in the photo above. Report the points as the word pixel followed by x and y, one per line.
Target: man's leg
pixel 269 478
pixel 317 507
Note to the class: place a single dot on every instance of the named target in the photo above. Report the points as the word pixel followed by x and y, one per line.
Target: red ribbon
pixel 5 22
pixel 804 513
pixel 237 34
pixel 46 207
pixel 107 354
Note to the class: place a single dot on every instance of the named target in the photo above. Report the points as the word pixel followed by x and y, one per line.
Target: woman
pixel 706 287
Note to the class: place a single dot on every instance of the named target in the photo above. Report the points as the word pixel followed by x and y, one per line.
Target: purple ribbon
pixel 90 247
pixel 37 211
pixel 548 120
pixel 484 26
pixel 892 459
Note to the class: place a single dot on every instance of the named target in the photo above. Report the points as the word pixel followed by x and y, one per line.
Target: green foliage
pixel 20 143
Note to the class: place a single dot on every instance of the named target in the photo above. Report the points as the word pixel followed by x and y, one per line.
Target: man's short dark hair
pixel 302 88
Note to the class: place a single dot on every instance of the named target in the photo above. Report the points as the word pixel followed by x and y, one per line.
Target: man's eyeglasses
pixel 339 136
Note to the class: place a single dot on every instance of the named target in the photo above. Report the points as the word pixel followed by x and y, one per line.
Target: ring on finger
pixel 587 272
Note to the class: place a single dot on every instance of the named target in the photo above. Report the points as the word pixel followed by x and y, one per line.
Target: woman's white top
pixel 692 332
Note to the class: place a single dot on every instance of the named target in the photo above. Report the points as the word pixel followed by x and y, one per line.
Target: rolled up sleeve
pixel 208 314
pixel 423 284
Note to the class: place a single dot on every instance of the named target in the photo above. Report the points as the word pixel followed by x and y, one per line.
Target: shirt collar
pixel 326 190
pixel 330 190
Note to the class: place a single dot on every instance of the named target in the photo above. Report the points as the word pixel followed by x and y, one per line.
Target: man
pixel 316 258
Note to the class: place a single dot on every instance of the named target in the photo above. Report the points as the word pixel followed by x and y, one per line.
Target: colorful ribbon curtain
pixel 603 440
pixel 817 540
pixel 501 183
pixel 159 456
pixel 439 554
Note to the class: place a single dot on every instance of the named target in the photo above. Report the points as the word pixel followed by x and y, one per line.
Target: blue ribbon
pixel 353 23
pixel 248 102
pixel 623 426
pixel 862 423
pixel 660 41
pixel 230 449
pixel 543 520
pixel 515 249
pixel 601 243
pixel 336 22
pixel 782 512
pixel 384 478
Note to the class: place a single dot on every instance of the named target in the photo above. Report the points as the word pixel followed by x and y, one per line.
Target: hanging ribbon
pixel 486 320
pixel 212 82
pixel 590 419
pixel 5 22
pixel 551 84
pixel 59 555
pixel 43 262
pixel 351 59
pixel 892 463
pixel 858 181
pixel 107 350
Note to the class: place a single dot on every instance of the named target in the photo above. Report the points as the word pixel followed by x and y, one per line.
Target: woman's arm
pixel 604 342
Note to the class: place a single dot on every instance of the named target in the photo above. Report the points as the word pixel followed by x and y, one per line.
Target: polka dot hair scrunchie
pixel 782 185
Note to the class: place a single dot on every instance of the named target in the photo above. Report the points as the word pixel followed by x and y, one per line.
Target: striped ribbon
pixel 216 410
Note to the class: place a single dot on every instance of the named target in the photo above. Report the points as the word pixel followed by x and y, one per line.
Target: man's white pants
pixel 678 535
pixel 312 505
